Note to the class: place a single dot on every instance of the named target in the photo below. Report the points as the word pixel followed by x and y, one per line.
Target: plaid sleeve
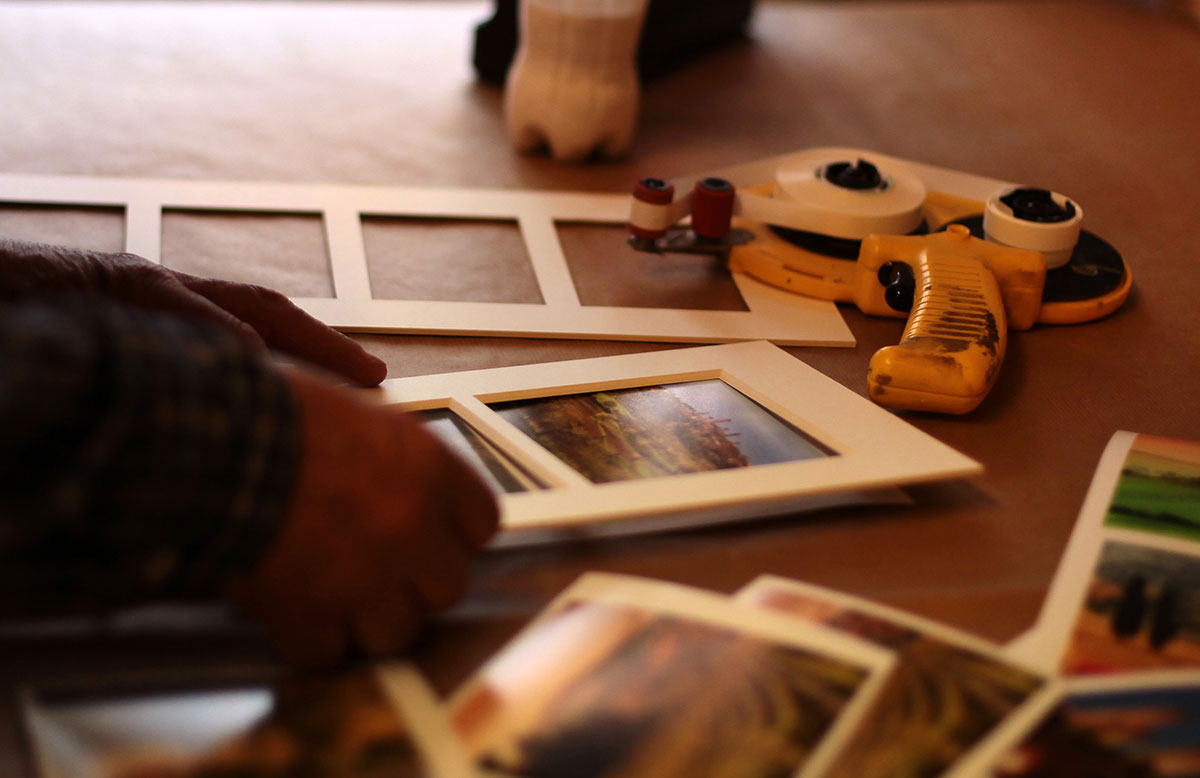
pixel 142 456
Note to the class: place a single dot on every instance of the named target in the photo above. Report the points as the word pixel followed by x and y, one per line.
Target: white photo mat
pixel 993 743
pixel 773 314
pixel 874 448
pixel 683 602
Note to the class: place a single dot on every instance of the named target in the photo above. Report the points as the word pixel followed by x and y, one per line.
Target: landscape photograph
pixel 1135 733
pixel 939 702
pixel 1159 489
pixel 1141 610
pixel 610 691
pixel 653 431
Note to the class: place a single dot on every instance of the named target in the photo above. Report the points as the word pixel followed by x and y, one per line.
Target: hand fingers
pixel 388 623
pixel 475 509
pixel 258 313
pixel 471 507
pixel 438 563
pixel 439 513
pixel 302 632
pixel 383 526
pixel 309 643
pixel 285 327
pixel 135 280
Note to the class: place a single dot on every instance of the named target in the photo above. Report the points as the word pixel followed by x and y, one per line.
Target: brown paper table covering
pixel 1099 100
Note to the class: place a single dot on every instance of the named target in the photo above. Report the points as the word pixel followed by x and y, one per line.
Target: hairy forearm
pixel 142 456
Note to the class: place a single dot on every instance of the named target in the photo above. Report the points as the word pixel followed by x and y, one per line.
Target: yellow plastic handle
pixel 957 329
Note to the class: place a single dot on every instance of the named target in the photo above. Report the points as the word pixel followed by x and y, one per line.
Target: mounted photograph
pixel 670 439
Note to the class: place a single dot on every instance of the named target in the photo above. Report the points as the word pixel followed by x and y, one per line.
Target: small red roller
pixel 712 208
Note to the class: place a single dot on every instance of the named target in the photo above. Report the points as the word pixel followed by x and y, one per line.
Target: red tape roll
pixel 712 207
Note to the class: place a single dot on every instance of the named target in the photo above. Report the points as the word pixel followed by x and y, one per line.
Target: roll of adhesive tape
pixel 650 209
pixel 893 207
pixel 1056 239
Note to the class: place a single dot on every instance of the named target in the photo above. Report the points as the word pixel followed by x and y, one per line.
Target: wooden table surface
pixel 1099 100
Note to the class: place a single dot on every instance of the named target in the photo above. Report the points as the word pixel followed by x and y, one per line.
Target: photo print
pixel 335 725
pixel 947 694
pixel 1138 727
pixel 632 687
pixel 653 431
pixel 1125 595
pixel 1141 610
pixel 1159 489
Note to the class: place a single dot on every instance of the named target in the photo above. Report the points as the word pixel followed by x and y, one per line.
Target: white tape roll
pixel 655 217
pixel 1054 239
pixel 805 199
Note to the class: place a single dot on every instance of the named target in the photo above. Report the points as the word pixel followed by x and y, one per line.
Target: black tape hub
pixel 1037 205
pixel 716 185
pixel 859 176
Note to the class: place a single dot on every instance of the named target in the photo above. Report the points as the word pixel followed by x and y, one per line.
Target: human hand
pixel 382 527
pixel 262 316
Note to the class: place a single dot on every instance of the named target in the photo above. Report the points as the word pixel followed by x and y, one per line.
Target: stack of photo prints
pixel 622 677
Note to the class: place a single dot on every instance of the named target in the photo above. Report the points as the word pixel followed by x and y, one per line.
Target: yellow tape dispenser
pixel 852 226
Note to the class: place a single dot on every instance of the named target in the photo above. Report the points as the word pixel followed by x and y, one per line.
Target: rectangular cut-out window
pixel 607 271
pixel 98 228
pixel 448 260
pixel 283 251
pixel 652 431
